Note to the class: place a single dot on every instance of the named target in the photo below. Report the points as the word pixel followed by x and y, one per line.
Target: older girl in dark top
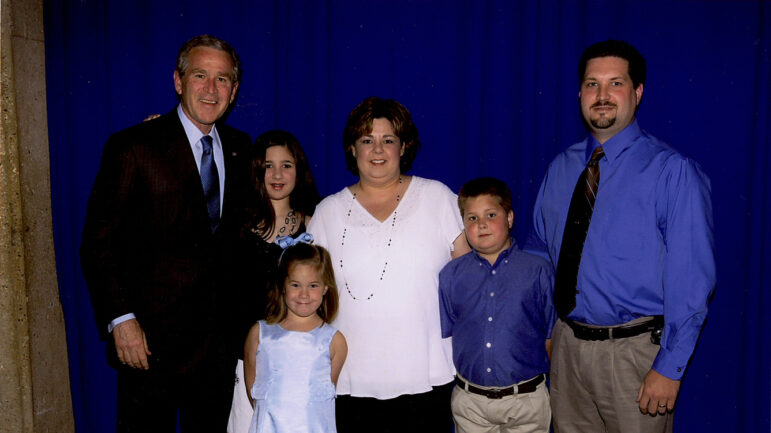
pixel 285 197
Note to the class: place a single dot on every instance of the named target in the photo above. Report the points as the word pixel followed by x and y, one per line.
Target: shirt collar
pixel 616 144
pixel 502 256
pixel 193 133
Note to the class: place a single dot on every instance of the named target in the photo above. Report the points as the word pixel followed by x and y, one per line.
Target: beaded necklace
pixel 388 244
pixel 290 219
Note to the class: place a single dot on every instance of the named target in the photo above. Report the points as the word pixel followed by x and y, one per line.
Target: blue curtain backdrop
pixel 493 89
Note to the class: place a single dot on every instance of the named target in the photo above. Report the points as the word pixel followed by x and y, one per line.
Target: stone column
pixel 34 377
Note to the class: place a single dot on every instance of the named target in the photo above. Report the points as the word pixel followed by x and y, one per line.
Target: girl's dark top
pixel 258 264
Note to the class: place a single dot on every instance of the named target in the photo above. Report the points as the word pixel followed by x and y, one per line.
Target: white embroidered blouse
pixel 391 325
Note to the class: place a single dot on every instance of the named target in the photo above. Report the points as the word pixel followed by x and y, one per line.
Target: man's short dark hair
pixel 359 124
pixel 212 42
pixel 613 48
pixel 491 186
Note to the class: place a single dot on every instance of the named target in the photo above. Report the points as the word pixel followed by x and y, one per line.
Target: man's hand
pixel 131 344
pixel 657 394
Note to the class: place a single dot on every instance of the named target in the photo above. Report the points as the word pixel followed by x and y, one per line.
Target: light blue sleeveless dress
pixel 293 391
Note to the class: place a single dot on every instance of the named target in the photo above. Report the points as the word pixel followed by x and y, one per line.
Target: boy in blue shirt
pixel 496 304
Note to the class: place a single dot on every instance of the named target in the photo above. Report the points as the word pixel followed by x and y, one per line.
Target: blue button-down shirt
pixel 499 316
pixel 649 249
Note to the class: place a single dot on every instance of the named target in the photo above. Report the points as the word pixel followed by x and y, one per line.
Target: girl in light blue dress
pixel 293 358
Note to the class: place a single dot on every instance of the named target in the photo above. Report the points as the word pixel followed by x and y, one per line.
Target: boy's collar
pixel 503 255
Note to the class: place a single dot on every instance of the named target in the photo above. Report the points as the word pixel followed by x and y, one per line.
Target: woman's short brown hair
pixel 360 123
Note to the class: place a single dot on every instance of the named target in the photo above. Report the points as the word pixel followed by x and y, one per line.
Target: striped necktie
pixel 574 235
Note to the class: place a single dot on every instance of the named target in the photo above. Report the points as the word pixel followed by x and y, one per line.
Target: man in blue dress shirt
pixel 495 303
pixel 644 275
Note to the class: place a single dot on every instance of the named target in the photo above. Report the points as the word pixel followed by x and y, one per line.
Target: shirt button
pixel 492 293
pixel 489 345
pixel 489 370
pixel 490 319
pixel 493 272
pixel 679 369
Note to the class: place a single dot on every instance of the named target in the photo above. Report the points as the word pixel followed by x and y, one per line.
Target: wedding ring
pixel 662 405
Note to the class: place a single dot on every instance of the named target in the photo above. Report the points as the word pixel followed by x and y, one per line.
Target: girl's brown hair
pixel 303 254
pixel 303 198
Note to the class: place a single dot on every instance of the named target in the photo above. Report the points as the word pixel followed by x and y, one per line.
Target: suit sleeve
pixel 106 230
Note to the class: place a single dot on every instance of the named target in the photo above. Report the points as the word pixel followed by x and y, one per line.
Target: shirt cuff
pixel 667 364
pixel 118 320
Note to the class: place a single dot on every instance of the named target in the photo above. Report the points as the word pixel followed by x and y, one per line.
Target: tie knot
pixel 206 142
pixel 596 155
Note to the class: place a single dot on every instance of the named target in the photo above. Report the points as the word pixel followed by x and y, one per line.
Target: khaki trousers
pixel 594 384
pixel 522 413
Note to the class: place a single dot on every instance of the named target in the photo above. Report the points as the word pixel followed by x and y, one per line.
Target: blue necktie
pixel 211 182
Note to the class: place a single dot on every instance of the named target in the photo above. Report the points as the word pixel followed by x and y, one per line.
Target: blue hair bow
pixel 287 241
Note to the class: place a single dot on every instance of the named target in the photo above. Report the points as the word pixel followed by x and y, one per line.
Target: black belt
pixel 584 332
pixel 522 388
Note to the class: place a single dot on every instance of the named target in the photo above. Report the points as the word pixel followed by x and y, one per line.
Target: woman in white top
pixel 389 235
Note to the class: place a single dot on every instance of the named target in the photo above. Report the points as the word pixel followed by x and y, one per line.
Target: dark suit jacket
pixel 148 248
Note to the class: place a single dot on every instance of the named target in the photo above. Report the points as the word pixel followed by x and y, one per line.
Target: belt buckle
pixel 496 394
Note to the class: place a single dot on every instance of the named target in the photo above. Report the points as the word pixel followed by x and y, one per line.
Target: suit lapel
pixel 231 156
pixel 180 157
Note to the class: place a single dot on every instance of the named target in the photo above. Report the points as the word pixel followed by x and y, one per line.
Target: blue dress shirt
pixel 194 137
pixel 499 316
pixel 649 249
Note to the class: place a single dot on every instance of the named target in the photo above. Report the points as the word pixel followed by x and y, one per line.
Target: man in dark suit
pixel 166 207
